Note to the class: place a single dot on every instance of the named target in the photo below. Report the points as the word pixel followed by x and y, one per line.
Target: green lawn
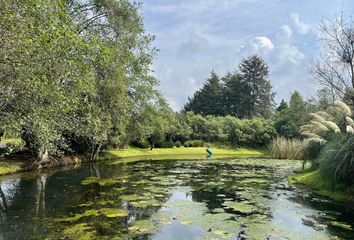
pixel 196 151
pixel 322 186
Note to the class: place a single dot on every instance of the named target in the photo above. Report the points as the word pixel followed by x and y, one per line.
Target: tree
pixel 289 119
pixel 324 98
pixel 335 68
pixel 259 96
pixel 282 106
pixel 234 96
pixel 73 73
pixel 207 100
pixel 296 100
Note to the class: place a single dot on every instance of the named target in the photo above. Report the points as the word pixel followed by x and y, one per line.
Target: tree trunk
pixel 95 150
pixel 43 155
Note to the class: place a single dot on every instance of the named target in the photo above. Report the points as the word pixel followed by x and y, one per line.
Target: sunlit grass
pixel 323 186
pixel 217 151
pixel 9 167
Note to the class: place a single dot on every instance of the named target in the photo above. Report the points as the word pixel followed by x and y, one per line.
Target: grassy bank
pixel 322 186
pixel 134 154
pixel 193 151
pixel 8 167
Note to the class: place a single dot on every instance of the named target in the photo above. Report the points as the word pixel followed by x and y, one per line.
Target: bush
pixel 282 148
pixel 164 144
pixel 178 144
pixel 8 146
pixel 141 144
pixel 337 159
pixel 194 143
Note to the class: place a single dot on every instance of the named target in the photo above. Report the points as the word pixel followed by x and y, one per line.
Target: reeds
pixel 293 149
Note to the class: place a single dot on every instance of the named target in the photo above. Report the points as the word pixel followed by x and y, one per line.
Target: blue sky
pixel 197 36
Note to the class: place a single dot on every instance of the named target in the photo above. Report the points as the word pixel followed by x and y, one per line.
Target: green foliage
pixel 238 132
pixel 282 106
pixel 246 93
pixel 289 119
pixel 337 159
pixel 75 75
pixel 259 94
pixel 164 144
pixel 178 144
pixel 207 100
pixel 194 143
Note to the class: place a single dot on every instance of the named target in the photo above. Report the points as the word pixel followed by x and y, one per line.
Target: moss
pixel 322 186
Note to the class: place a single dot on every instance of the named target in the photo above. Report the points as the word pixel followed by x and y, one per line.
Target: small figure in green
pixel 209 151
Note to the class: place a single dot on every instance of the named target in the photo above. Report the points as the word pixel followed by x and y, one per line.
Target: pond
pixel 162 200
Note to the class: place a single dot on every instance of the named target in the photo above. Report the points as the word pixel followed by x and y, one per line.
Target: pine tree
pixel 207 100
pixel 234 94
pixel 282 106
pixel 258 93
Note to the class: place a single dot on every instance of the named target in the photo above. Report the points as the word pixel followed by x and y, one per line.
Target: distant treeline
pixel 244 93
pixel 194 130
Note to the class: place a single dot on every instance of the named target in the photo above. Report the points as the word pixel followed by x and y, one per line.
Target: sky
pixel 195 37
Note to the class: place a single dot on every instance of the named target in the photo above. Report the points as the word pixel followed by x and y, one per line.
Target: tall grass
pixel 337 159
pixel 282 148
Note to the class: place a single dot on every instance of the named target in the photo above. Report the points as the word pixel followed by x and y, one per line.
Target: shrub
pixel 164 144
pixel 282 148
pixel 194 143
pixel 8 146
pixel 178 144
pixel 141 144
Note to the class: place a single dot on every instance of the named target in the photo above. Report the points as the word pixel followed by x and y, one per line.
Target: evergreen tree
pixel 234 95
pixel 258 94
pixel 282 106
pixel 289 119
pixel 207 100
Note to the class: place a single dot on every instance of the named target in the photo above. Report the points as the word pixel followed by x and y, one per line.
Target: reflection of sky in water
pixel 176 230
pixel 8 186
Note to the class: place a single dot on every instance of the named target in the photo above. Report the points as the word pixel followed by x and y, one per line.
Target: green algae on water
pixel 244 208
pixel 81 231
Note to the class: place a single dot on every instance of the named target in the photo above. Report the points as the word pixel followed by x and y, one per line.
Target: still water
pixel 162 200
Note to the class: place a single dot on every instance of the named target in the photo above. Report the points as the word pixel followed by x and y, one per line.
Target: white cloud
pixel 286 31
pixel 191 85
pixel 302 27
pixel 261 45
pixel 289 53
